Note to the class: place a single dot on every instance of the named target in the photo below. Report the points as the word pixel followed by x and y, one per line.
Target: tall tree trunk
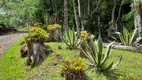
pixel 119 13
pixel 88 7
pixel 112 28
pixel 65 14
pixel 138 24
pixel 138 17
pixel 76 17
pixel 97 6
pixel 79 14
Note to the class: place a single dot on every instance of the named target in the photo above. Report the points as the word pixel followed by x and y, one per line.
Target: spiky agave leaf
pixel 100 49
pixel 109 67
pixel 115 65
pixel 74 37
pixel 65 38
pixel 121 37
pixel 132 37
pixel 93 49
pixel 107 54
pixel 126 36
pixel 112 65
pixel 69 36
pixel 76 41
pixel 97 57
pixel 70 39
pixel 87 53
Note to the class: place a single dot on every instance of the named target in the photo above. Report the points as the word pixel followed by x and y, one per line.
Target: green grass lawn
pixel 12 66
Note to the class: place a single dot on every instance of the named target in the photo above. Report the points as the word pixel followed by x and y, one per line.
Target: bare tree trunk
pixel 113 14
pixel 138 17
pixel 97 6
pixel 116 24
pixel 56 13
pixel 76 17
pixel 78 75
pixel 88 8
pixel 65 14
pixel 138 24
pixel 79 14
pixel 112 28
pixel 37 51
pixel 57 35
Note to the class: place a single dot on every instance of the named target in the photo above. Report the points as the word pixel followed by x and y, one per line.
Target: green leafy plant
pixel 53 27
pixel 44 27
pixel 71 39
pixel 73 69
pixel 36 34
pixel 126 37
pixel 95 54
pixel 84 36
pixel 54 32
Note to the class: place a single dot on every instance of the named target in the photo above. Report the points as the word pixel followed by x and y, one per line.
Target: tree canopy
pixel 106 16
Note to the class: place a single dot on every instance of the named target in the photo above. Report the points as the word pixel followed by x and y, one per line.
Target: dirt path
pixel 7 40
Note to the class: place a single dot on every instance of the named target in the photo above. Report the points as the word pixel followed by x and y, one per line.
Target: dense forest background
pixel 106 16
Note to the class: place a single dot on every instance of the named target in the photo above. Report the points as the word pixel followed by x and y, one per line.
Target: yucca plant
pixel 70 39
pixel 99 59
pixel 126 37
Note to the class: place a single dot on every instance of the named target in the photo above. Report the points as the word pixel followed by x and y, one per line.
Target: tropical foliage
pixel 73 69
pixel 15 13
pixel 95 54
pixel 126 37
pixel 53 27
pixel 70 39
pixel 72 65
pixel 36 34
pixel 93 15
pixel 84 35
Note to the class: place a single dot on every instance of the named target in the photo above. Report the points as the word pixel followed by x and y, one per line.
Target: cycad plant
pixel 70 39
pixel 99 59
pixel 126 37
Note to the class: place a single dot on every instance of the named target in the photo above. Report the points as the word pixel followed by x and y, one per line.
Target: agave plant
pixel 70 39
pixel 126 37
pixel 99 59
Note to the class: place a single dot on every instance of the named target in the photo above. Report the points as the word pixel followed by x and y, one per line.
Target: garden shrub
pixel 73 69
pixel 53 27
pixel 37 24
pixel 54 32
pixel 37 34
pixel 85 36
